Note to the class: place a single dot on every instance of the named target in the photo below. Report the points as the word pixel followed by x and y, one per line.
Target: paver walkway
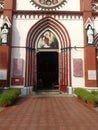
pixel 48 113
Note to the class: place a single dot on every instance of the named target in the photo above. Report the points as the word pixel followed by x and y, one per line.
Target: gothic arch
pixel 51 23
pixel 64 55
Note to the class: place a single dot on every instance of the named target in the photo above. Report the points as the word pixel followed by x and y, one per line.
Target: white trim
pixel 7 21
pixel 89 22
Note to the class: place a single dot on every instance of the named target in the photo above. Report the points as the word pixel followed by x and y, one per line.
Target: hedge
pixel 85 94
pixel 8 97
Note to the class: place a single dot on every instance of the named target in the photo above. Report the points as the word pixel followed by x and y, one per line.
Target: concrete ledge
pixel 26 90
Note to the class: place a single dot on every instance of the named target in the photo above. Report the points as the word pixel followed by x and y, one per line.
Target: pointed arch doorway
pixel 61 53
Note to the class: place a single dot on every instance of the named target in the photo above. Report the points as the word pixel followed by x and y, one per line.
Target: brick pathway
pixel 48 113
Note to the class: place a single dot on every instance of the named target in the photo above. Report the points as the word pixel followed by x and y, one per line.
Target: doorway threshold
pixel 48 93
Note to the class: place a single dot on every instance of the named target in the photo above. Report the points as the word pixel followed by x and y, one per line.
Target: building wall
pixel 95 21
pixel 73 16
pixel 75 30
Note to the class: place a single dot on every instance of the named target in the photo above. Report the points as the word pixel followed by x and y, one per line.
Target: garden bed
pixel 7 98
pixel 88 104
pixel 88 98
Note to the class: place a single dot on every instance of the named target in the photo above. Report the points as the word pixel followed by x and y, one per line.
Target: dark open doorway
pixel 47 70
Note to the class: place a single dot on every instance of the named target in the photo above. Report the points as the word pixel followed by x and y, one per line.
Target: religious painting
pixel 48 40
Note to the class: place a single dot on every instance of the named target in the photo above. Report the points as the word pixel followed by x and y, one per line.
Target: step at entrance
pixel 48 93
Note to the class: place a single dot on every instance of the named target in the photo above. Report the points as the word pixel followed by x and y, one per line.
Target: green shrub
pixel 9 96
pixel 85 94
pixel 94 92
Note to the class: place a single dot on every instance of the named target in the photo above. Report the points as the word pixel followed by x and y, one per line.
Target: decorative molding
pixel 89 22
pixel 94 5
pixel 1 4
pixel 48 4
pixel 7 21
pixel 41 14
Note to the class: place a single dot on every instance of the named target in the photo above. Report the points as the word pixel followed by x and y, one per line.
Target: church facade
pixel 49 43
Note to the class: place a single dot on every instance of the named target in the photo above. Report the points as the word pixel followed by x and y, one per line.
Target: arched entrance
pixel 60 51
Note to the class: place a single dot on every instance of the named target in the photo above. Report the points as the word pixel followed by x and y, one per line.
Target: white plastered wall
pixel 75 30
pixel 1 20
pixel 77 81
pixel 21 27
pixel 95 22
